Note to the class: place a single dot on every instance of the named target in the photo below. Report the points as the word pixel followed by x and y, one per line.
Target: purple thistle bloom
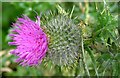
pixel 30 40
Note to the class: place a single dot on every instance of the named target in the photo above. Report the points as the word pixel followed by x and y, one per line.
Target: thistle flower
pixel 64 40
pixel 30 40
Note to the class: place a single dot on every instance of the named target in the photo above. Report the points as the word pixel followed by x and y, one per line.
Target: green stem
pixel 83 58
pixel 72 11
pixel 93 60
pixel 87 12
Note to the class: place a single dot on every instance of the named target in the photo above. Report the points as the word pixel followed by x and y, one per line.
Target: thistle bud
pixel 64 40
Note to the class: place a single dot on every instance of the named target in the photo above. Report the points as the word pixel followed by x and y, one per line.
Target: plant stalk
pixel 83 58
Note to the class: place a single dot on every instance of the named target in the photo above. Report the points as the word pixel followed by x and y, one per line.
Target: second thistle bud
pixel 64 41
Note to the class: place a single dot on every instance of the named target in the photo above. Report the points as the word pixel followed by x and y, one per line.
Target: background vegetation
pixel 100 34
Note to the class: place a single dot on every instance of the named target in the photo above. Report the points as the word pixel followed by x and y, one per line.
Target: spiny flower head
pixel 64 40
pixel 30 40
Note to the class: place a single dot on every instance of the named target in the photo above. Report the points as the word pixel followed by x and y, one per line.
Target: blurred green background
pixel 101 38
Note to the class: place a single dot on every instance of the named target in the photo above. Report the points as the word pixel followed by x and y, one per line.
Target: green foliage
pixel 99 48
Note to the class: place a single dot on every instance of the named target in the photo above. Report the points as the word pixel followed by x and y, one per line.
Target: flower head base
pixel 30 40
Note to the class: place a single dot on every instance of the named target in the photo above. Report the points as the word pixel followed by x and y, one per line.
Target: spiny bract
pixel 64 40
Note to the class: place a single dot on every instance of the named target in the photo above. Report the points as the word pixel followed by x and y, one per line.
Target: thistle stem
pixel 83 58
